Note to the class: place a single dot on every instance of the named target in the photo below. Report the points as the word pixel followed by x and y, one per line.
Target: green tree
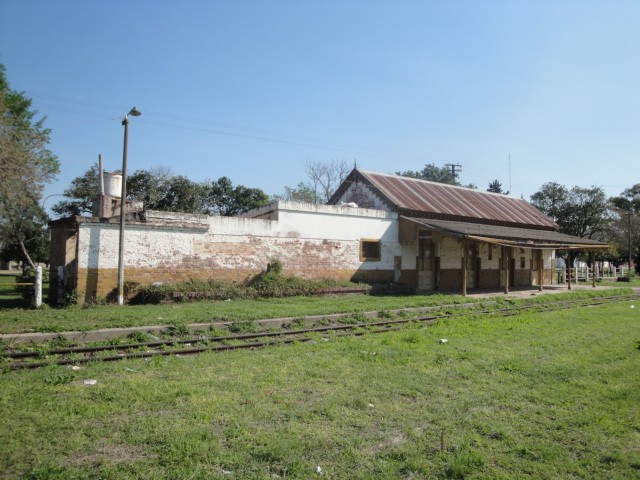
pixel 626 225
pixel 496 187
pixel 26 165
pixel 436 174
pixel 81 194
pixel 432 173
pixel 629 200
pixel 222 198
pixel 299 193
pixel 582 212
pixel 150 186
pixel 181 195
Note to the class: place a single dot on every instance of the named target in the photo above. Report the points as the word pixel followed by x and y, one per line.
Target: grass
pixel 78 318
pixel 551 395
pixel 10 298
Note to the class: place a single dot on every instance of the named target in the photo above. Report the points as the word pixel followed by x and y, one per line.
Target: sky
pixel 523 92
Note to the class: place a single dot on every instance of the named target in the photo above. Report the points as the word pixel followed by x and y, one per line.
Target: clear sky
pixel 253 90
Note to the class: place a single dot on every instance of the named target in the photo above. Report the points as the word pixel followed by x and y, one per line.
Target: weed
pixel 59 379
pixel 69 299
pixel 140 337
pixel 296 323
pixel 243 326
pixel 384 314
pixel 462 463
pixel 510 367
pixel 177 330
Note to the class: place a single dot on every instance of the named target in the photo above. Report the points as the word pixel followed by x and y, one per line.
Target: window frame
pixel 370 241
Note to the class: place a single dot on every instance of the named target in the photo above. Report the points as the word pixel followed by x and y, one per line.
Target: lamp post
pixel 123 200
pixel 629 228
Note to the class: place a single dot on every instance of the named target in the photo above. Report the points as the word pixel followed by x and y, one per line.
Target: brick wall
pixel 312 241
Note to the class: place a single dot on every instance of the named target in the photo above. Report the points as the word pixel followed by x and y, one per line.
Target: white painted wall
pixel 300 228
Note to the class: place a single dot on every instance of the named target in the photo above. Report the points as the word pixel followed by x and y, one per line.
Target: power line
pixel 200 125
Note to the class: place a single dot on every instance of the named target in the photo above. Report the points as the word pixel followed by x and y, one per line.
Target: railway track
pixel 33 359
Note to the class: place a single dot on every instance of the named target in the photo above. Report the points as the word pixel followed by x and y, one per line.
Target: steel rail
pixel 344 329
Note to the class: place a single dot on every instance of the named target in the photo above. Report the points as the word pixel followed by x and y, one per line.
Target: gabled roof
pixel 421 198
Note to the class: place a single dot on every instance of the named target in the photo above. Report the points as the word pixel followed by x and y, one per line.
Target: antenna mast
pixel 509 165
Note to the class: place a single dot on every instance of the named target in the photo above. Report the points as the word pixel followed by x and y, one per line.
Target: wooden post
pixel 593 269
pixel 540 272
pixel 463 272
pixel 505 267
pixel 569 272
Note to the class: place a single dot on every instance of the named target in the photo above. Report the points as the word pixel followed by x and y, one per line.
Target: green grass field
pixel 540 396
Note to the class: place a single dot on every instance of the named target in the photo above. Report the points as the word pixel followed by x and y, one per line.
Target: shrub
pixel 28 275
pixel 154 294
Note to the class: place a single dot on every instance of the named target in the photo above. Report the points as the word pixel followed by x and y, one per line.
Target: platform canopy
pixel 508 236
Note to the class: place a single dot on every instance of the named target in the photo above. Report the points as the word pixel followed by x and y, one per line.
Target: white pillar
pixel 38 287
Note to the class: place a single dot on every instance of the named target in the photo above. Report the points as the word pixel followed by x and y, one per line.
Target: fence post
pixel 38 287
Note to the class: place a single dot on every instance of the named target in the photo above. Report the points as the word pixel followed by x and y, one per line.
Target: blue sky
pixel 253 90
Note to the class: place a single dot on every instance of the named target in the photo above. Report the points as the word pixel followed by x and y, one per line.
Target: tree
pixel 326 177
pixel 300 193
pixel 433 174
pixel 582 212
pixel 436 174
pixel 150 186
pixel 626 224
pixel 220 197
pixel 159 189
pixel 496 187
pixel 26 165
pixel 181 195
pixel 629 200
pixel 81 193
pixel 34 233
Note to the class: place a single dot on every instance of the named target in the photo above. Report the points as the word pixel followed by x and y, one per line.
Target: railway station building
pixel 376 228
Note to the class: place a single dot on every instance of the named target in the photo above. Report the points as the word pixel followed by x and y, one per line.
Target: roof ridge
pixel 439 183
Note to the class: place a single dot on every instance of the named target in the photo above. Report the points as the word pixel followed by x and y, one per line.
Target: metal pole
pixel 123 200
pixel 629 224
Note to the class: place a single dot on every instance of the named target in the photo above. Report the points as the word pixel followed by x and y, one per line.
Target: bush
pixel 154 294
pixel 26 291
pixel 269 283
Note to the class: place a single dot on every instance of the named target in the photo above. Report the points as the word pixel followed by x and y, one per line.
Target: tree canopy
pixel 26 165
pixel 434 173
pixel 159 189
pixel 496 187
pixel 582 212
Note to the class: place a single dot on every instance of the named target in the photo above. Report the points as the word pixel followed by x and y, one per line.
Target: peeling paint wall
pixel 313 241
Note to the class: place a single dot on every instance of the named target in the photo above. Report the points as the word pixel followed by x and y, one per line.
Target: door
pixel 424 262
pixel 512 272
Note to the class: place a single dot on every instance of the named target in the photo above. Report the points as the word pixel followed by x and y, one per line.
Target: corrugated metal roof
pixel 442 199
pixel 508 236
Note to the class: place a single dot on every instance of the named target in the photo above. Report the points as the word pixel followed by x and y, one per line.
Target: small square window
pixel 370 250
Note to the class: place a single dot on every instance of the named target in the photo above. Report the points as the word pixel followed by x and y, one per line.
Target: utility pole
pixel 628 214
pixel 455 169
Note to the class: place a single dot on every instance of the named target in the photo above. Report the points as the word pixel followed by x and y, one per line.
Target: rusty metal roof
pixel 508 236
pixel 442 200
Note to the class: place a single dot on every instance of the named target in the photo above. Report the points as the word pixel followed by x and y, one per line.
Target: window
pixel 490 252
pixel 522 262
pixel 370 250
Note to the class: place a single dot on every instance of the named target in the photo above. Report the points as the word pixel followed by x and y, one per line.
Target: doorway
pixel 425 262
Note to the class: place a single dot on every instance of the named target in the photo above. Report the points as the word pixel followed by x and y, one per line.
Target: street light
pixel 123 200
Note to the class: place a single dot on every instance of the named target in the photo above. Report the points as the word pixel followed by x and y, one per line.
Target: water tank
pixel 113 184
